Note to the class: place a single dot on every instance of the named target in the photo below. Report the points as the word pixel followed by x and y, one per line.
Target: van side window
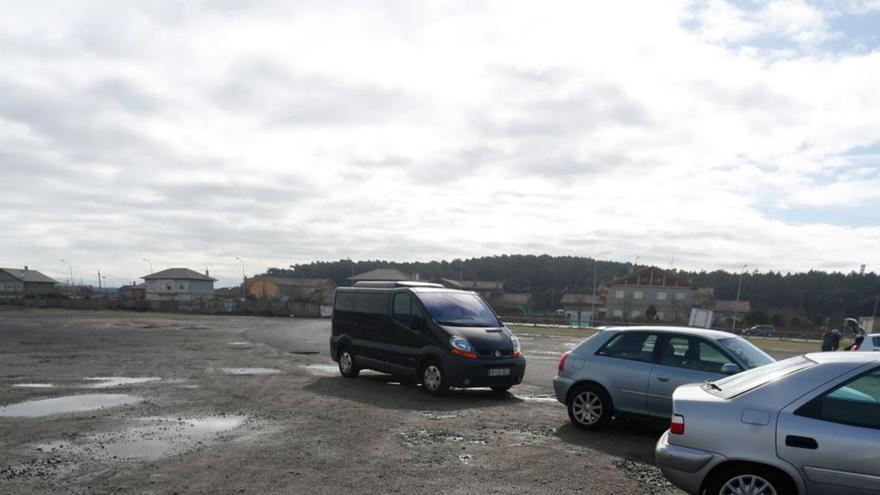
pixel 402 308
pixel 372 304
pixel 344 301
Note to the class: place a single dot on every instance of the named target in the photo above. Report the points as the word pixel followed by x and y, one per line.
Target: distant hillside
pixel 814 294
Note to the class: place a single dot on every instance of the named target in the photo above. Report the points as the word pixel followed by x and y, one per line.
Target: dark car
pixel 435 336
pixel 760 331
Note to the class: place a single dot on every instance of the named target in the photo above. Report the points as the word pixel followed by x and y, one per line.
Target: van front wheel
pixel 433 378
pixel 347 367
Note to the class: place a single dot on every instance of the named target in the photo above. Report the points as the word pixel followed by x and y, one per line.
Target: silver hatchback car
pixel 632 371
pixel 805 425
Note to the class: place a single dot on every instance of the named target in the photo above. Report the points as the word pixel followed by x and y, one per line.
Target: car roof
pixel 845 357
pixel 699 332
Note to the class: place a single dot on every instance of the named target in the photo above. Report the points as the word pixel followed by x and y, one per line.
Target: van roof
pixel 395 284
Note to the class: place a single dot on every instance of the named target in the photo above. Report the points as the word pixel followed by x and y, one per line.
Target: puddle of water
pixel 322 369
pixel 66 405
pixel 424 437
pixel 537 398
pixel 433 415
pixel 34 385
pixel 250 371
pixel 240 344
pixel 159 437
pixel 118 381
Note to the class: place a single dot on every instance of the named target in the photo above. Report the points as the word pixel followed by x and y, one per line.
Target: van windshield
pixel 458 310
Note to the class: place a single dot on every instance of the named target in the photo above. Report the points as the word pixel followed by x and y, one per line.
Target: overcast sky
pixel 694 134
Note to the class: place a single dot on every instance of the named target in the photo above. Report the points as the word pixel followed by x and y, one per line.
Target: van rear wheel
pixel 433 378
pixel 347 367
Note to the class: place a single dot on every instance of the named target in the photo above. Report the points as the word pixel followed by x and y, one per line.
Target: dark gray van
pixel 424 332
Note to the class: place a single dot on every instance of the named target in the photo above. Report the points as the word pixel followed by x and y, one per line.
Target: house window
pixel 618 294
pixel 181 287
pixel 661 296
pixel 679 296
pixel 637 294
pixel 618 313
pixel 10 286
pixel 635 314
pixel 660 315
pixel 168 287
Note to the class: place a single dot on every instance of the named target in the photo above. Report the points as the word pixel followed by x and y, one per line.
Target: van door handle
pixel 663 378
pixel 801 442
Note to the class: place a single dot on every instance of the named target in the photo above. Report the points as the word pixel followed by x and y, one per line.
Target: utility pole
pixel 736 306
pixel 70 271
pixel 876 302
pixel 149 263
pixel 99 280
pixel 595 284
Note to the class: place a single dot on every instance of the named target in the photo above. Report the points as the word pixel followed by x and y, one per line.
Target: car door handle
pixel 801 442
pixel 663 378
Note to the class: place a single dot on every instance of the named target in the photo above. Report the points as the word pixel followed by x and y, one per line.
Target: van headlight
pixel 517 348
pixel 462 347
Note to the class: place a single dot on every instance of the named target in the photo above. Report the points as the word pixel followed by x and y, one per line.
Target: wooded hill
pixel 813 295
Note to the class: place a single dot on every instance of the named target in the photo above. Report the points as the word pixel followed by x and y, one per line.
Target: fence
pixel 259 307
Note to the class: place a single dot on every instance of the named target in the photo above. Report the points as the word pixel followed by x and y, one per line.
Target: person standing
pixel 831 341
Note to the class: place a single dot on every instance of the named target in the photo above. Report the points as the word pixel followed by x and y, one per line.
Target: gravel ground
pixel 213 404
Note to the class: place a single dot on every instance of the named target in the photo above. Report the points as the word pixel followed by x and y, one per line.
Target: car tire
pixel 347 364
pixel 500 389
pixel 433 378
pixel 765 481
pixel 589 407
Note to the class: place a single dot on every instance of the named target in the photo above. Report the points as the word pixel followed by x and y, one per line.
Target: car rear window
pixel 876 341
pixel 746 381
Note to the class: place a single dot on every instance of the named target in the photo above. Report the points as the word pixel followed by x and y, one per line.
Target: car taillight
pixel 562 361
pixel 676 427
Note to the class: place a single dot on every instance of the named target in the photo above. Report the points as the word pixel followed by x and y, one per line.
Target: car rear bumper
pixel 466 372
pixel 684 467
pixel 561 386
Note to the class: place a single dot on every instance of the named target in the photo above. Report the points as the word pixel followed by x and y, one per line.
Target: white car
pixel 871 343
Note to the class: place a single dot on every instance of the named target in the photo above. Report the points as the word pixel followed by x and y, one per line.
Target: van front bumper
pixel 465 372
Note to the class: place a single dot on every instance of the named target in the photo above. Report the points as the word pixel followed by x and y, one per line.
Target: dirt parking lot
pixel 111 402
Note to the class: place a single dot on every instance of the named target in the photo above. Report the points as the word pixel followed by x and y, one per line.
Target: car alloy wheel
pixel 432 378
pixel 587 408
pixel 747 484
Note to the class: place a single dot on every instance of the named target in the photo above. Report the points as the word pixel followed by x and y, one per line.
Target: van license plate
pixel 499 372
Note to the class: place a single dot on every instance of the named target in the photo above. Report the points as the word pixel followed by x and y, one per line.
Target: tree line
pixel 808 296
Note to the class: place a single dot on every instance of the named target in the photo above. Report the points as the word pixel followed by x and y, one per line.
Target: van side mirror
pixel 416 322
pixel 730 368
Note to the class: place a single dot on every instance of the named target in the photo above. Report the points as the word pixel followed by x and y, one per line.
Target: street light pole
pixel 736 305
pixel 243 277
pixel 70 270
pixel 149 263
pixel 595 284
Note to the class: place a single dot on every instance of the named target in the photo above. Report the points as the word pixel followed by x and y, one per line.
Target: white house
pixel 178 284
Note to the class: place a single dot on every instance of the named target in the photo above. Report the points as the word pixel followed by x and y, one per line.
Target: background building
pixel 629 297
pixel 318 290
pixel 178 284
pixel 17 283
pixel 382 275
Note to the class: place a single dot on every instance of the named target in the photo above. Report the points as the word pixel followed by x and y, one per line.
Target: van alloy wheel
pixel 587 408
pixel 347 366
pixel 747 484
pixel 432 378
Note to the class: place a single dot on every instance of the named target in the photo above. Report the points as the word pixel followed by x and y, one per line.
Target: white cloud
pixel 286 132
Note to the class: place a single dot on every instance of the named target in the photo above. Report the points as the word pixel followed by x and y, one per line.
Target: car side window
pixel 692 353
pixel 402 308
pixel 855 403
pixel 636 346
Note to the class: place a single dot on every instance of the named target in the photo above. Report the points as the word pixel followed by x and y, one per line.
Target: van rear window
pixel 344 301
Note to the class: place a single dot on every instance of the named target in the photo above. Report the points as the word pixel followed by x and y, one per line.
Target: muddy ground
pixel 212 404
